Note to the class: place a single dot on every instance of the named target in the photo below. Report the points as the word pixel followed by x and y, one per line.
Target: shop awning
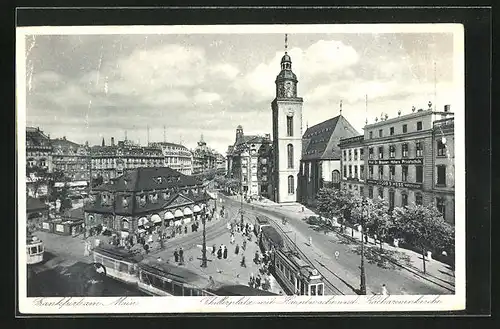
pixel 169 215
pixel 156 218
pixel 142 221
pixel 178 213
pixel 78 184
pixel 58 184
pixel 196 208
pixel 187 212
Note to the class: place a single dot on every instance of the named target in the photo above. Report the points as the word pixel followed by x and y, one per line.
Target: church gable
pixel 343 129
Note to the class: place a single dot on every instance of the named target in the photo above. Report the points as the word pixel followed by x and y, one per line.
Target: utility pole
pixel 362 288
pixel 204 248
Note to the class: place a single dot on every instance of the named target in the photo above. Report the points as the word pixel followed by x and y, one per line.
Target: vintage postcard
pixel 245 168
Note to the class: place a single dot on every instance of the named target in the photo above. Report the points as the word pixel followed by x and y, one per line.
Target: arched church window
pixel 335 177
pixel 291 185
pixel 289 125
pixel 290 155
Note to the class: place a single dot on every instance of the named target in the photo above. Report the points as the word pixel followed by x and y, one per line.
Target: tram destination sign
pixel 394 184
pixel 416 161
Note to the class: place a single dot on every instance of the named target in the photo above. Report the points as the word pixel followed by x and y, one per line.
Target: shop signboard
pixel 394 184
pixel 415 161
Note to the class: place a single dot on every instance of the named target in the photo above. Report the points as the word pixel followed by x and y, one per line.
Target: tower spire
pixel 340 107
pixel 366 108
pixel 164 135
pixel 286 43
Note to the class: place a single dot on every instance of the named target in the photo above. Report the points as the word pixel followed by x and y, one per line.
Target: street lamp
pixel 204 248
pixel 362 287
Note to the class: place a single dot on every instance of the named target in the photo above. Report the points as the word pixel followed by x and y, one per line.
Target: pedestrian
pixel 256 258
pixel 181 256
pixel 258 281
pixel 219 253
pixel 213 249
pixel 185 229
pixel 244 246
pixel 310 241
pixel 251 280
pixel 86 250
pixel 224 251
pixel 228 226
pixel 232 239
pixel 146 248
pixel 337 254
pixel 366 238
pixel 384 290
pixel 211 280
pixel 237 249
pixel 243 264
pixel 176 255
pixel 246 227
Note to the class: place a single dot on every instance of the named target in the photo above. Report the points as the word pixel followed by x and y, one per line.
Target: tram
pixel 260 222
pixel 34 250
pixel 270 239
pixel 295 275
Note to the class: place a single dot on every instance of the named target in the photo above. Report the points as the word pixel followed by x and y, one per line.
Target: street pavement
pixel 344 271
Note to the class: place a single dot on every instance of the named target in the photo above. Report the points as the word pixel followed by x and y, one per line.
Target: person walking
pixel 243 263
pixel 256 257
pixel 219 253
pixel 181 256
pixel 310 241
pixel 366 238
pixel 257 281
pixel 232 239
pixel 337 254
pixel 237 249
pixel 244 245
pixel 384 290
pixel 213 249
pixel 176 255
pixel 224 251
pixel 251 281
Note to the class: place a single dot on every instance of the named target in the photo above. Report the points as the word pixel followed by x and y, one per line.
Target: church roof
pixel 321 141
pixel 286 74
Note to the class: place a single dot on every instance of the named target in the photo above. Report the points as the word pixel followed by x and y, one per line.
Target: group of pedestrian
pixel 179 256
pixel 222 252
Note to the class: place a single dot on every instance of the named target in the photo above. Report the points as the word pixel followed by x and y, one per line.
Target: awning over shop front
pixel 58 184
pixel 169 215
pixel 156 218
pixel 142 221
pixel 178 213
pixel 187 212
pixel 196 208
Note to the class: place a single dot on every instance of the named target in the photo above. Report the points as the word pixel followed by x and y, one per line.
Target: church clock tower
pixel 287 133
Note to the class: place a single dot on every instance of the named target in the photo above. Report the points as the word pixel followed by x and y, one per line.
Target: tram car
pixel 295 275
pixel 34 250
pixel 118 263
pixel 270 239
pixel 260 221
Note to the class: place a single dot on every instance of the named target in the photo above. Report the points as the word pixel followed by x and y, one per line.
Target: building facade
pixel 145 199
pixel 249 162
pixel 353 163
pixel 71 158
pixel 287 134
pixel 38 149
pixel 110 162
pixel 177 157
pixel 204 158
pixel 320 164
pixel 401 161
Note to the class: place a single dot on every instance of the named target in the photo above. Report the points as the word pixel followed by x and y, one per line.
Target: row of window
pixel 419 151
pixel 404 130
pixel 419 173
pixel 361 155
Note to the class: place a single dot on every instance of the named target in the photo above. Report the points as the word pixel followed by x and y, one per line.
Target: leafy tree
pixel 424 227
pixel 373 214
pixel 37 176
pixel 333 202
pixel 97 181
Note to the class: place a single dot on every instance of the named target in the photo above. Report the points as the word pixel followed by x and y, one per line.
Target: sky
pixel 89 87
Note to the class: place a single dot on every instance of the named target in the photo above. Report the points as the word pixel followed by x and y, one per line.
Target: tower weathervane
pixel 340 107
pixel 286 43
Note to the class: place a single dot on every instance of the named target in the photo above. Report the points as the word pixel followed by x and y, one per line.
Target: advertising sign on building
pixel 416 161
pixel 394 184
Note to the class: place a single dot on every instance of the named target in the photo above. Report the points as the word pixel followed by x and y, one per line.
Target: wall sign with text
pixel 394 184
pixel 416 161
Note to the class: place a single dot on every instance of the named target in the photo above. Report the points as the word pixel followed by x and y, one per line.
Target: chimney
pixel 64 137
pixel 112 141
pixel 447 108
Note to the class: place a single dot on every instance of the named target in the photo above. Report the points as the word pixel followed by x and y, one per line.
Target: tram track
pixel 292 245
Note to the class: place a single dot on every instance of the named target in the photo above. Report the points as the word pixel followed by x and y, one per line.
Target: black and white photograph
pixel 241 168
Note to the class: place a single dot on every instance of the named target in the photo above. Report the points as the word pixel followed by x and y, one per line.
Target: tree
pixel 378 221
pixel 37 176
pixel 332 202
pixel 97 181
pixel 424 227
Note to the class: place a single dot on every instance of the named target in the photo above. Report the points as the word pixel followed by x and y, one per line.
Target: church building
pixel 287 134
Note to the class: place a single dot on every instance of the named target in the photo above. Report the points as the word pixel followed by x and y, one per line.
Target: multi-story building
pixel 38 149
pixel 204 158
pixel 71 158
pixel 320 162
pixel 144 199
pixel 38 155
pixel 220 165
pixel 405 160
pixel 444 167
pixel 249 162
pixel 110 162
pixel 177 157
pixel 353 163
